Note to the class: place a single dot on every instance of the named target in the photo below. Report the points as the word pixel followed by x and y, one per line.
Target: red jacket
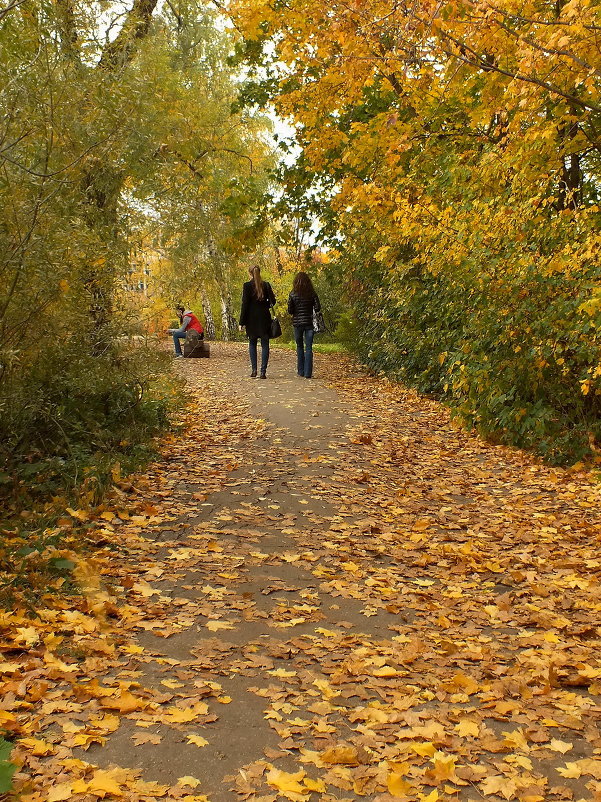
pixel 194 323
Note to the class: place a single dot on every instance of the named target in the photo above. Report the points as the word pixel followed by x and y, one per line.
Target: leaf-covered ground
pixel 322 591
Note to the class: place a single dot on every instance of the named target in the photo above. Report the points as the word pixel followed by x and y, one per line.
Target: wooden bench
pixel 195 347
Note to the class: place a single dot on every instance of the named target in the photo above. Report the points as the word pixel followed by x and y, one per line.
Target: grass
pixel 319 348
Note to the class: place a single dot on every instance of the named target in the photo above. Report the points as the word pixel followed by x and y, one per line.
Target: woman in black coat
pixel 302 302
pixel 257 298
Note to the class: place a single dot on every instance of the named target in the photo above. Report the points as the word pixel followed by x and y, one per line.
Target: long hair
pixel 259 287
pixel 302 285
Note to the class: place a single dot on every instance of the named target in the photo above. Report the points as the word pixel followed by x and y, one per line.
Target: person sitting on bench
pixel 188 323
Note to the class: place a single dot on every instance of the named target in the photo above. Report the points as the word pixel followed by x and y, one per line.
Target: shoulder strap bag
pixel 276 329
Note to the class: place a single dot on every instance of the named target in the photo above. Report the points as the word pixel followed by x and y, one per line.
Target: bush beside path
pixel 322 590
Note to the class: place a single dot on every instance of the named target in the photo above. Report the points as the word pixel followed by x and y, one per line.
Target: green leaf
pixel 62 564
pixel 7 769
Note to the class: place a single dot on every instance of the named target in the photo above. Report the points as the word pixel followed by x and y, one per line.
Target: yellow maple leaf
pixel 315 785
pixel 149 788
pixel 108 723
pixel 126 702
pixel 214 626
pixel 465 683
pixel 84 739
pixel 385 671
pixel 183 715
pixel 145 590
pixel 191 782
pixel 327 633
pixel 520 760
pixel 287 783
pixel 104 782
pixel 590 766
pixel 341 756
pixel 498 784
pixel 425 749
pixel 81 515
pixel 197 740
pixel 28 636
pixel 397 785
pixel 560 746
pixel 444 767
pixel 326 689
pixel 468 728
pixel 195 798
pixel 517 740
pixel 570 771
pixel 132 648
pixel 60 792
pixel 37 746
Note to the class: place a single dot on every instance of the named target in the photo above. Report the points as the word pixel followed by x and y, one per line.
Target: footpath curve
pixel 326 591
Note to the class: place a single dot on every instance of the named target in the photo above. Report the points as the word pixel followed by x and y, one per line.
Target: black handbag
pixel 319 324
pixel 276 329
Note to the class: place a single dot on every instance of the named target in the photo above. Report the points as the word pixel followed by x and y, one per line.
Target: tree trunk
pixel 570 185
pixel 225 318
pixel 210 332
pixel 102 185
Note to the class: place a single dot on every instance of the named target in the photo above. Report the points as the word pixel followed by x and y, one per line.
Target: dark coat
pixel 301 310
pixel 255 314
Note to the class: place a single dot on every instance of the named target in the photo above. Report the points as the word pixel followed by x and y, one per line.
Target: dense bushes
pixel 72 414
pixel 515 357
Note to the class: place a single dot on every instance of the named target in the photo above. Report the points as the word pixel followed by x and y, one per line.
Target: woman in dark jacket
pixel 302 302
pixel 257 298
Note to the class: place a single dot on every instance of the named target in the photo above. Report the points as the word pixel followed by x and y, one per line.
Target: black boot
pixel 262 376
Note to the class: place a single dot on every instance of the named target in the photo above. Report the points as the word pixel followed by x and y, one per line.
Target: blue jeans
pixel 304 351
pixel 252 350
pixel 179 334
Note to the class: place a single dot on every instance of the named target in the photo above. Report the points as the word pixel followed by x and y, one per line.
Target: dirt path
pixel 326 591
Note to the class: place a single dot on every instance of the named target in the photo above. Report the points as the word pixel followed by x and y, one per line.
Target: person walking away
pixel 255 317
pixel 302 301
pixel 188 322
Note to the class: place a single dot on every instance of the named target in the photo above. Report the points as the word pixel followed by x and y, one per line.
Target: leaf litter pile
pixel 364 603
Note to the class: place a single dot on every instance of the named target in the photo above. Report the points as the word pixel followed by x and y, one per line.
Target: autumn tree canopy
pixel 118 129
pixel 456 150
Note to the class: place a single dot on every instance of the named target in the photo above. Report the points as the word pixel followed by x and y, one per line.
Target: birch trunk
pixel 210 332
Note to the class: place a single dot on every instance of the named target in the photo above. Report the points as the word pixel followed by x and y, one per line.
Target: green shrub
pixel 516 357
pixel 68 416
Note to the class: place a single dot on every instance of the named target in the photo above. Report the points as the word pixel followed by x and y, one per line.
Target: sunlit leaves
pixel 455 156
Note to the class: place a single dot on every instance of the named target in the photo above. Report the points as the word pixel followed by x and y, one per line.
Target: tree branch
pixel 177 15
pixel 68 28
pixel 481 63
pixel 10 7
pixel 122 49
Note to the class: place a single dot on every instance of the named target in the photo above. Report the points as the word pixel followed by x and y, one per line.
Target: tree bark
pixel 122 49
pixel 210 332
pixel 225 319
pixel 69 37
pixel 103 182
